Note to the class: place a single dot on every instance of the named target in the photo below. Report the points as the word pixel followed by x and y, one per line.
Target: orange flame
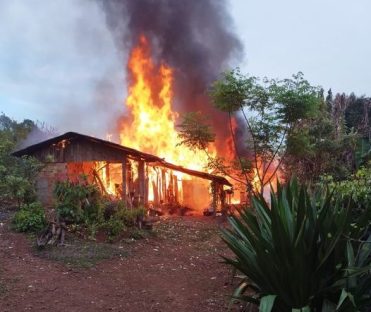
pixel 151 127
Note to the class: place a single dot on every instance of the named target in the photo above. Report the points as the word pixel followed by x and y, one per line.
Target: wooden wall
pixel 78 150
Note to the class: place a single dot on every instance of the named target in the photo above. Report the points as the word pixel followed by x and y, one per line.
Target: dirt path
pixel 179 269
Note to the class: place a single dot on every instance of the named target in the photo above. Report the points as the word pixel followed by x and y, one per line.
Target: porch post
pixel 124 177
pixel 141 177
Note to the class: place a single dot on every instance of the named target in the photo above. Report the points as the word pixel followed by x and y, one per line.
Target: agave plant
pixel 291 252
pixel 356 284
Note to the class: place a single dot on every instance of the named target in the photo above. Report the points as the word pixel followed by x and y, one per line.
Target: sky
pixel 59 64
pixel 328 40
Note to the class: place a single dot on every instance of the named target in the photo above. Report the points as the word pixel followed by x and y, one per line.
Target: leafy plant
pixel 356 284
pixel 113 227
pixel 18 180
pixel 137 234
pixel 77 202
pixel 17 175
pixel 130 217
pixel 30 218
pixel 268 113
pixel 356 190
pixel 292 253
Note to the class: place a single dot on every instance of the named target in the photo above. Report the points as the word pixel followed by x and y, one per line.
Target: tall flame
pixel 151 127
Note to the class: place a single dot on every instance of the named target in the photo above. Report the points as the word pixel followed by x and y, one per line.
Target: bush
pixel 293 255
pixel 30 218
pixel 78 202
pixel 113 227
pixel 130 216
pixel 18 180
pixel 137 234
pixel 355 192
pixel 112 207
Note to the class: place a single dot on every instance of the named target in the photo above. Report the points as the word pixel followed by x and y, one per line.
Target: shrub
pixel 77 202
pixel 93 208
pixel 357 189
pixel 113 227
pixel 130 216
pixel 112 207
pixel 30 218
pixel 355 192
pixel 18 180
pixel 292 254
pixel 137 234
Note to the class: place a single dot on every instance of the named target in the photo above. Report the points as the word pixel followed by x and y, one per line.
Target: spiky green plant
pixel 290 253
pixel 356 284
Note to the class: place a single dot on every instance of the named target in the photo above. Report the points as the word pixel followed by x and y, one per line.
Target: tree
pixel 357 119
pixel 268 111
pixel 320 145
pixel 17 175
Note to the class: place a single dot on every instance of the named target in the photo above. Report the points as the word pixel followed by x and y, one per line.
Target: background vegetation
pixel 285 125
pixel 302 249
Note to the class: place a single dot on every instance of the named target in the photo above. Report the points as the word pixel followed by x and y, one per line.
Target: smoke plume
pixel 194 37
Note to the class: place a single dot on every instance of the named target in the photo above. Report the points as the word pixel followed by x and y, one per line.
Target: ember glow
pixel 151 126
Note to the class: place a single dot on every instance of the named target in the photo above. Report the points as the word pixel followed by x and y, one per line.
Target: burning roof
pixel 114 147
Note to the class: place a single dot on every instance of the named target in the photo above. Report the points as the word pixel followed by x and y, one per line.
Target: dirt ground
pixel 177 268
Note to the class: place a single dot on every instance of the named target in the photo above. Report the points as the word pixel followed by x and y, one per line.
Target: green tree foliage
pixel 293 254
pixel 357 116
pixel 320 145
pixel 17 175
pixel 271 110
pixel 289 124
pixel 195 132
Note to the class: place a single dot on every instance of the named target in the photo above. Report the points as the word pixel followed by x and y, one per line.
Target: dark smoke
pixel 195 37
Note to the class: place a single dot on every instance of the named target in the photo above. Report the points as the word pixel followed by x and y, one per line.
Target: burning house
pixel 172 51
pixel 121 172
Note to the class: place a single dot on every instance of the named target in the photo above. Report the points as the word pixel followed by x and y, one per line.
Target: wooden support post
pixel 171 188
pixel 163 185
pixel 108 175
pixel 176 188
pixel 155 193
pixel 214 192
pixel 141 178
pixel 146 185
pixel 124 178
pixel 155 185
